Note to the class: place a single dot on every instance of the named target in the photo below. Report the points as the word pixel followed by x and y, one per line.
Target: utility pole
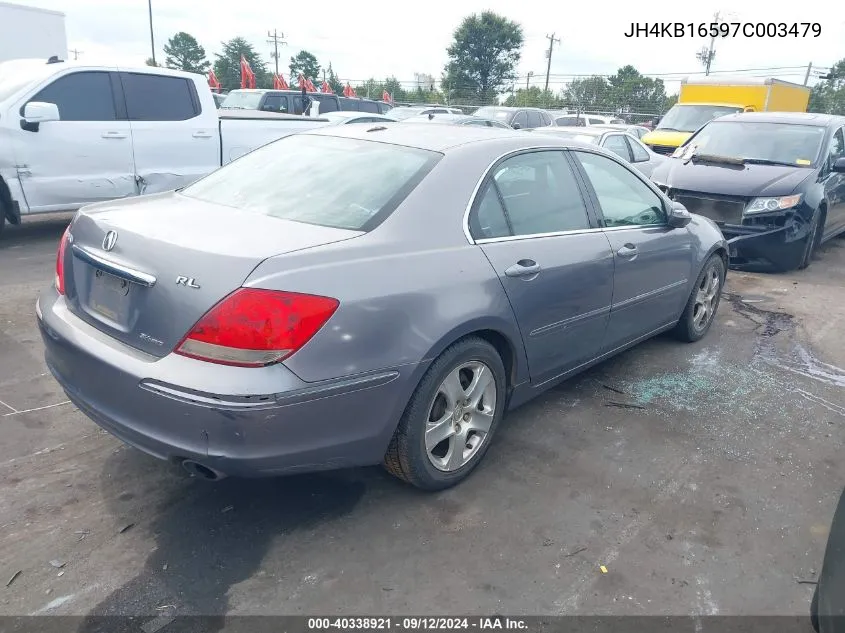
pixel 77 53
pixel 275 39
pixel 552 41
pixel 706 55
pixel 809 70
pixel 152 38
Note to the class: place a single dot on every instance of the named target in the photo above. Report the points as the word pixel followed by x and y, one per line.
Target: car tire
pixel 703 301
pixel 813 239
pixel 814 610
pixel 474 366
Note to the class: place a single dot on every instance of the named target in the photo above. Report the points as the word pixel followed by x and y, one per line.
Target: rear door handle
pixel 523 268
pixel 114 134
pixel 202 134
pixel 628 251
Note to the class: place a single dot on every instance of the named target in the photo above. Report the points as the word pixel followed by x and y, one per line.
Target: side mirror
pixel 516 126
pixel 679 217
pixel 838 165
pixel 39 112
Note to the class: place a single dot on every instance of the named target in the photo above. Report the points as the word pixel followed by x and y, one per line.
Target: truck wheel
pixel 703 302
pixel 450 420
pixel 812 241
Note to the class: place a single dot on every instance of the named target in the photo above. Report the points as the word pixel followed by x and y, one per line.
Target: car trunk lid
pixel 145 270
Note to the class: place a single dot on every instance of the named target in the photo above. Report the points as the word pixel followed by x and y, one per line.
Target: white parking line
pixel 49 406
pixel 8 406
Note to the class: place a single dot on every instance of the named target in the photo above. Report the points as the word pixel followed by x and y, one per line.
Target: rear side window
pixel 520 119
pixel 638 151
pixel 534 119
pixel 275 103
pixel 335 182
pixel 349 105
pixel 596 122
pixel 369 106
pixel 537 194
pixel 616 144
pixel 159 98
pixel 547 120
pixel 81 97
pixel 566 120
pixel 327 103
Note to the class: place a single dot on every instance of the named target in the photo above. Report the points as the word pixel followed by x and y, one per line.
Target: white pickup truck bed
pixel 74 134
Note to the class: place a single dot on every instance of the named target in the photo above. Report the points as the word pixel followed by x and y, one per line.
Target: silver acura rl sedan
pixel 359 295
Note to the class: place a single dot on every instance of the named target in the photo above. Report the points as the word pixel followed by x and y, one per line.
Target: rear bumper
pixel 266 421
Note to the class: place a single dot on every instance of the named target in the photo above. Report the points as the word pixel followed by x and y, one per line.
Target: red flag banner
pixel 213 83
pixel 309 86
pixel 279 82
pixel 303 83
pixel 247 76
pixel 385 96
pixel 326 88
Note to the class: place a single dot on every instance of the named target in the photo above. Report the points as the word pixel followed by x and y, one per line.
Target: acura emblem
pixel 109 240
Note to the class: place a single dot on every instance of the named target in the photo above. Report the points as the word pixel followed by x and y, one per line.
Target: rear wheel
pixel 703 301
pixel 450 420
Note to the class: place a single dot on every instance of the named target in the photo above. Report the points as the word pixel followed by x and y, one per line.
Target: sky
pixel 401 38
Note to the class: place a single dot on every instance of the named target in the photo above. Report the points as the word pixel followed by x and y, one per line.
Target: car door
pixel 275 103
pixel 84 157
pixel 520 120
pixel 834 184
pixel 534 119
pixel 616 143
pixel 173 143
pixel 555 265
pixel 641 159
pixel 653 262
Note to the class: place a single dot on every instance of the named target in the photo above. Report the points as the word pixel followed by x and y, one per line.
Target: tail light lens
pixel 60 262
pixel 253 327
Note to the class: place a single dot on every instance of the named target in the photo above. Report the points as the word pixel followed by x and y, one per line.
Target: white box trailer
pixel 29 32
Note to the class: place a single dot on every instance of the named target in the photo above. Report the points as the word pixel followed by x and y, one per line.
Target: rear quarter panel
pixel 407 289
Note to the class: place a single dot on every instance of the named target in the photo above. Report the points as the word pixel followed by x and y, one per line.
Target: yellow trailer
pixel 703 99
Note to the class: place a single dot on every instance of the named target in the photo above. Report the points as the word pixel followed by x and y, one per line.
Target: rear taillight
pixel 60 262
pixel 253 327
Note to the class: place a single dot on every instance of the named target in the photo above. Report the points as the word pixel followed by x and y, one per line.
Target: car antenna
pixel 54 60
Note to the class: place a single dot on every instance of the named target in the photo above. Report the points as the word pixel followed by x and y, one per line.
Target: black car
pixel 363 105
pixel 284 101
pixel 773 182
pixel 827 609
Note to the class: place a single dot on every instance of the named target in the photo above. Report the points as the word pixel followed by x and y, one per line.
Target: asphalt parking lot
pixel 703 477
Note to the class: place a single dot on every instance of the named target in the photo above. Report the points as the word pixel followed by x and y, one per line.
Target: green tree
pixel 534 97
pixel 227 66
pixel 332 79
pixel 670 101
pixel 305 63
pixel 632 92
pixel 482 58
pixel 828 96
pixel 589 93
pixel 184 53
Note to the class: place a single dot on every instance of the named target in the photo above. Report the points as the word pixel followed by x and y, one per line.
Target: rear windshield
pixel 493 113
pixel 324 180
pixel 242 100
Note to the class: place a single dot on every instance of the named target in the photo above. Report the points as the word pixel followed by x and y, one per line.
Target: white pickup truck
pixel 73 134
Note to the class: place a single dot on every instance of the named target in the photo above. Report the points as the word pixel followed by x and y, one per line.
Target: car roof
pixel 443 117
pixel 574 129
pixel 791 118
pixel 617 126
pixel 510 108
pixel 443 138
